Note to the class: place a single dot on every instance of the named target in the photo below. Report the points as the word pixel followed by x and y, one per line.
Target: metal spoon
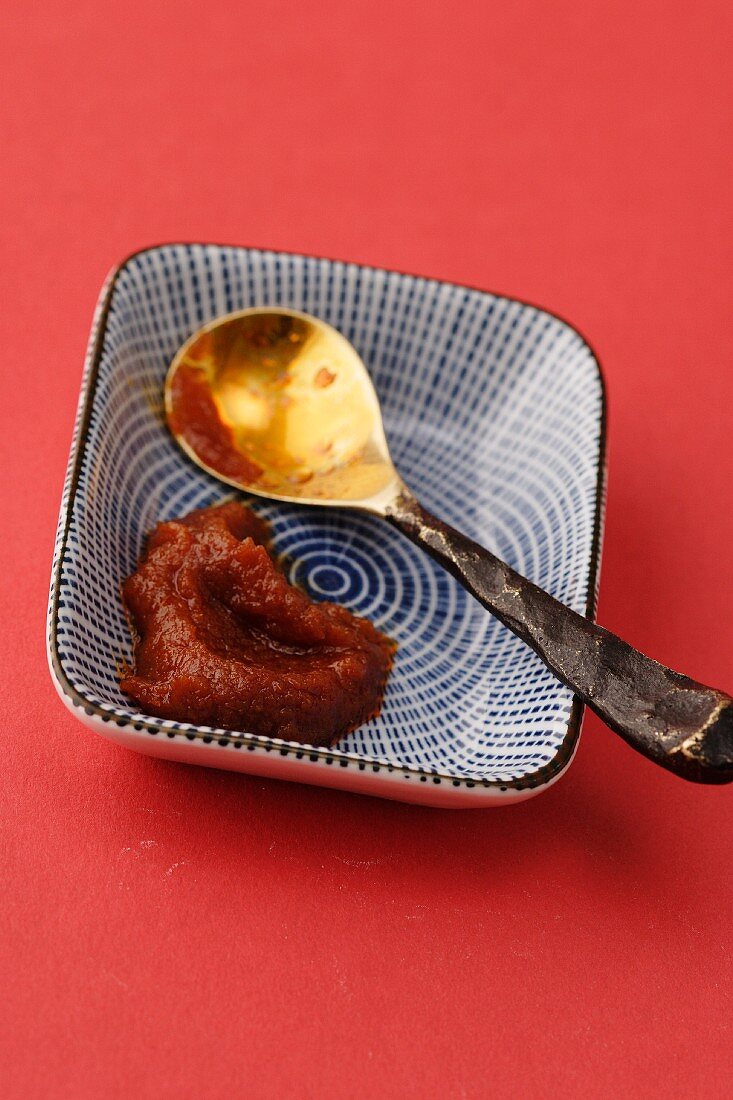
pixel 278 403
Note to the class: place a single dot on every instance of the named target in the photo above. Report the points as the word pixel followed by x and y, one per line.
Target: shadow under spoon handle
pixel 680 724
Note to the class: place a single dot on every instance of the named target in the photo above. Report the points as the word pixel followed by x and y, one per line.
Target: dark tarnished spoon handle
pixel 680 724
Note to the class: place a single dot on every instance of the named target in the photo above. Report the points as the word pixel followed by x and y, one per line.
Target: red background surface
pixel 169 931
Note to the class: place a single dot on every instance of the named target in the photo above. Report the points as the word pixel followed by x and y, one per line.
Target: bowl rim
pixel 540 777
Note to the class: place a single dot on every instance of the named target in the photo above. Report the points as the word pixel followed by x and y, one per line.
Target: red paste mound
pixel 224 640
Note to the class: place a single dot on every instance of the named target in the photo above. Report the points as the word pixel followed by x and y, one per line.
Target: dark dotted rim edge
pixel 252 743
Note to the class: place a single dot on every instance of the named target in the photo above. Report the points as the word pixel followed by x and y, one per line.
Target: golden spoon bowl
pixel 294 400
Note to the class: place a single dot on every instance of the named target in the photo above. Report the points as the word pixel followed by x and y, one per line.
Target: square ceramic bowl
pixel 494 413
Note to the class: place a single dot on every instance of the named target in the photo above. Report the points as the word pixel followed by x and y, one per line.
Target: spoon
pixel 279 403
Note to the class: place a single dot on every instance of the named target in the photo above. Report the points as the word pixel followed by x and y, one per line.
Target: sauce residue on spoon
pixel 196 418
pixel 274 403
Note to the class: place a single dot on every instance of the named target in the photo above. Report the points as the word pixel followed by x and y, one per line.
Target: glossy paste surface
pixel 224 640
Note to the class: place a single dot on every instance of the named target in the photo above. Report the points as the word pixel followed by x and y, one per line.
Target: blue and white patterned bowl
pixel 494 412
